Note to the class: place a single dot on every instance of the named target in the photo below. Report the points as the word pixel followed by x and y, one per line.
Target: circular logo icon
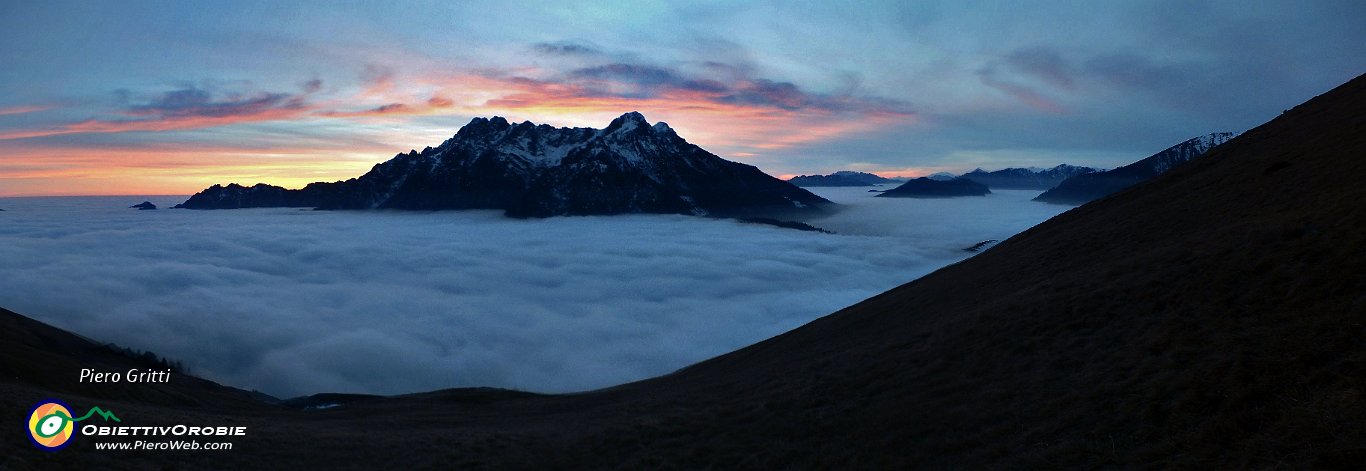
pixel 50 425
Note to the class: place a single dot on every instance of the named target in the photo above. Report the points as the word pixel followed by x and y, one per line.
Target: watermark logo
pixel 51 425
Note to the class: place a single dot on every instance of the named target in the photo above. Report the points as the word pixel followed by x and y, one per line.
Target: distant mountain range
pixel 1006 179
pixel 1027 178
pixel 840 178
pixel 925 187
pixel 1065 184
pixel 1090 186
pixel 532 170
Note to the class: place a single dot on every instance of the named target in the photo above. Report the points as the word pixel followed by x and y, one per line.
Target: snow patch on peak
pixel 1185 151
pixel 1206 142
pixel 1210 140
pixel 629 136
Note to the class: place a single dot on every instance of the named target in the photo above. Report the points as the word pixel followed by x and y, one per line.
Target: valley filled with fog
pixel 295 302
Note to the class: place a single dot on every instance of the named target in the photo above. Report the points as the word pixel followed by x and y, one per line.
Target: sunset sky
pixel 171 97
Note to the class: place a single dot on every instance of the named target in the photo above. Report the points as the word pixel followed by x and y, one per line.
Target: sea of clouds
pixel 294 302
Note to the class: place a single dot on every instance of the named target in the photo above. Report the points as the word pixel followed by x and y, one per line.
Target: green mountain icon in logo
pixel 107 415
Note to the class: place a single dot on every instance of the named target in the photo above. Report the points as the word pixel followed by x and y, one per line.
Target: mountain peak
pixel 480 125
pixel 627 123
pixel 840 178
pixel 634 116
pixel 1026 178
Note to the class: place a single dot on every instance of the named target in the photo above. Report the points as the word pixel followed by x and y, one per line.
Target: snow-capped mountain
pixel 532 170
pixel 840 178
pixel 1090 186
pixel 1027 178
pixel 1183 152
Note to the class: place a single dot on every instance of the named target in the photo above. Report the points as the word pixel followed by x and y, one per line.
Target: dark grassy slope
pixel 1212 317
pixel 51 359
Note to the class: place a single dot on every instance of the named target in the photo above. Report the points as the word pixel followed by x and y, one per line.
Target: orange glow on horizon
pixel 906 172
pixel 169 172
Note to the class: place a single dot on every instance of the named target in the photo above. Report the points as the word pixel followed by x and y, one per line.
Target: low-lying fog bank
pixel 295 301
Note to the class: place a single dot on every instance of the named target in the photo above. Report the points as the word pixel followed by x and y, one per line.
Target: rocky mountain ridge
pixel 532 170
pixel 1090 186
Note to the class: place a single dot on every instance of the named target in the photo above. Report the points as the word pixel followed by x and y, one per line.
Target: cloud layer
pixel 295 302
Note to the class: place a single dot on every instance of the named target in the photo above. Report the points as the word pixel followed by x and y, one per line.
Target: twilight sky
pixel 171 97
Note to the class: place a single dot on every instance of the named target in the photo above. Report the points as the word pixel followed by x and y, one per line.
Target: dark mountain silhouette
pixel 925 187
pixel 143 206
pixel 49 359
pixel 536 171
pixel 1209 318
pixel 840 178
pixel 1026 178
pixel 1090 186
